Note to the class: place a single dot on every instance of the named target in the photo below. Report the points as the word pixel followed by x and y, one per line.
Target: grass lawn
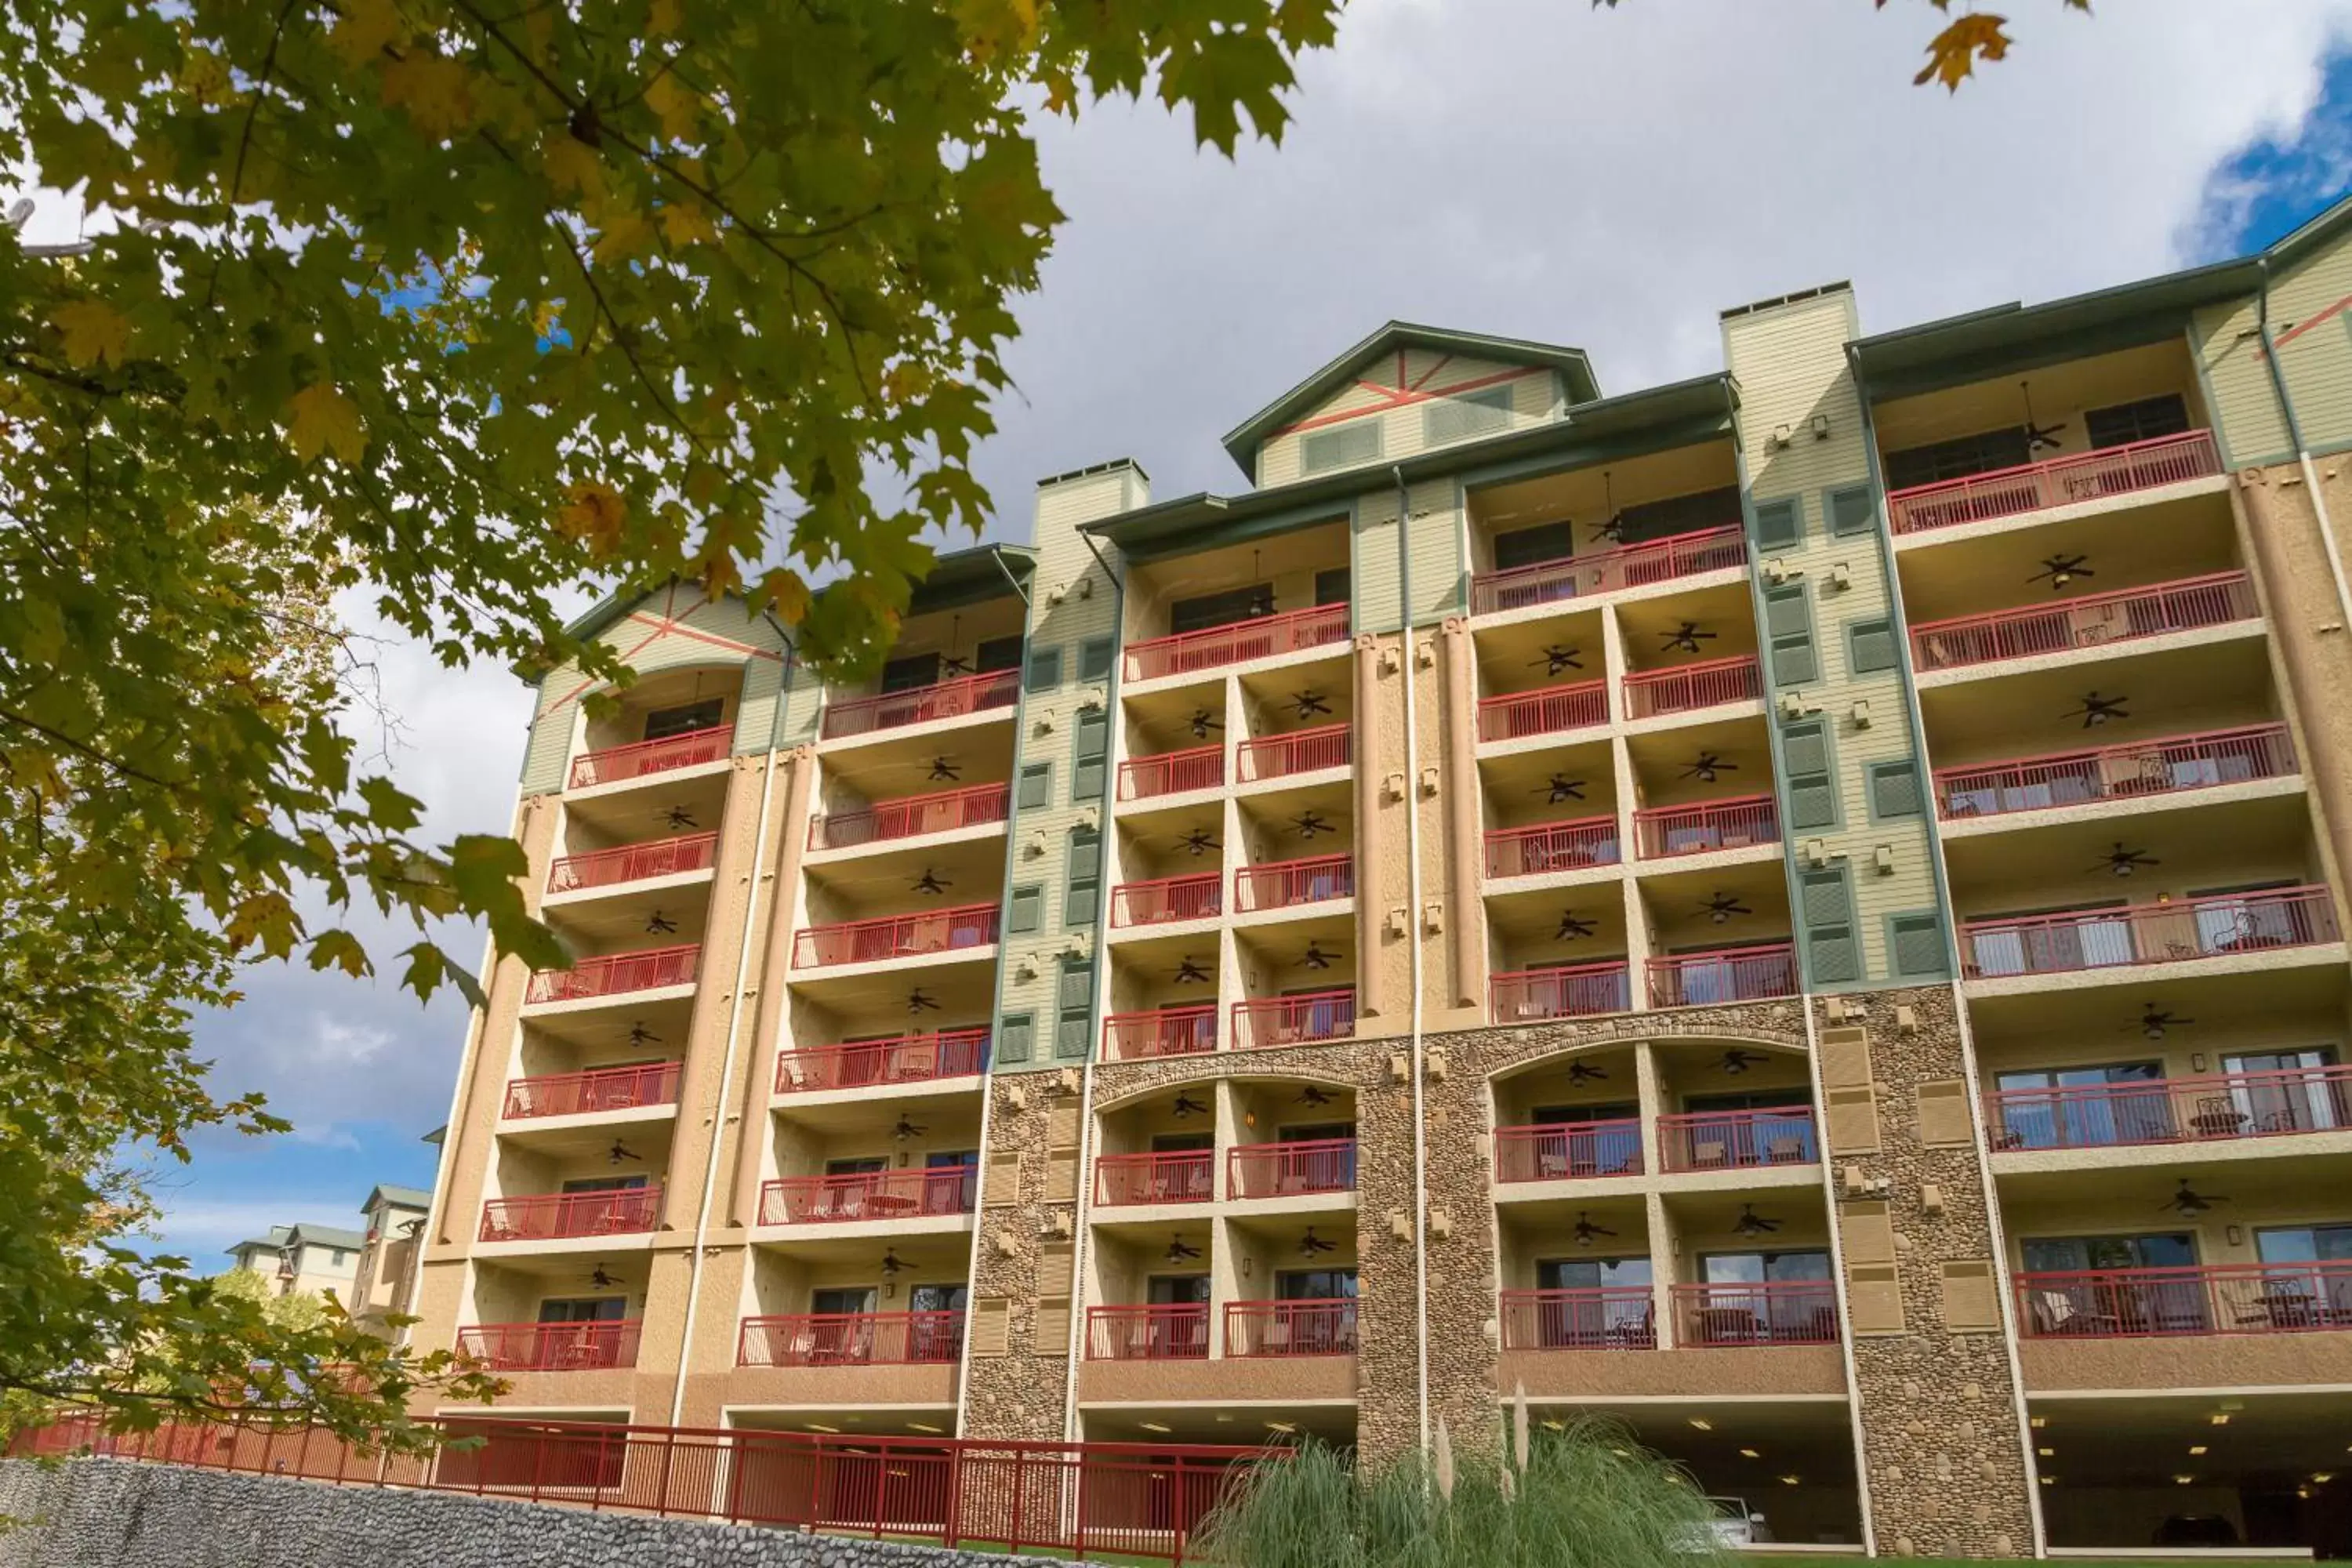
pixel 1849 1559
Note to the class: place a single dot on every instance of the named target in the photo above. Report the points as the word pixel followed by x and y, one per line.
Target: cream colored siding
pixel 549 752
pixel 2237 387
pixel 2318 362
pixel 1404 430
pixel 1436 535
pixel 1372 546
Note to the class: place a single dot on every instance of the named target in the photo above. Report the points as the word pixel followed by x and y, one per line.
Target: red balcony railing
pixel 1727 1140
pixel 548 1216
pixel 1566 1150
pixel 1570 990
pixel 1300 751
pixel 1590 1318
pixel 1288 882
pixel 868 1194
pixel 1170 899
pixel 2094 620
pixel 1216 646
pixel 618 763
pixel 1291 1170
pixel 895 936
pixel 912 816
pixel 1294 1020
pixel 1604 572
pixel 1172 773
pixel 2128 771
pixel 921 704
pixel 1549 711
pixel 1550 847
pixel 604 1089
pixel 633 862
pixel 2211 1298
pixel 1291 1328
pixel 2062 481
pixel 1661 832
pixel 851 1339
pixel 615 975
pixel 2148 933
pixel 2171 1110
pixel 1734 974
pixel 550 1347
pixel 907 1059
pixel 1161 1032
pixel 1789 1312
pixel 1182 1176
pixel 1148 1333
pixel 1686 688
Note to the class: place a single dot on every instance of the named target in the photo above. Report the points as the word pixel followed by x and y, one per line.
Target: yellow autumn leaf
pixel 665 17
pixel 787 595
pixel 363 28
pixel 592 511
pixel 436 90
pixel 572 165
pixel 322 419
pixel 621 232
pixel 1952 53
pixel 906 382
pixel 679 106
pixel 684 224
pixel 94 332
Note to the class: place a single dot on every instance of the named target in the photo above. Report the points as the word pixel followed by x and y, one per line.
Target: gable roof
pixel 326 1236
pixel 398 1197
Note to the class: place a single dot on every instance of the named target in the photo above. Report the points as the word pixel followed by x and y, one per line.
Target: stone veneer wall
pixel 1017 1344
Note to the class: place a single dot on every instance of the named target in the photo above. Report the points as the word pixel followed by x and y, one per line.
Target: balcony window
pixel 1760 1298
pixel 1584 1303
pixel 1223 609
pixel 1534 546
pixel 666 723
pixel 2072 1107
pixel 1741 1131
pixel 1981 453
pixel 2145 420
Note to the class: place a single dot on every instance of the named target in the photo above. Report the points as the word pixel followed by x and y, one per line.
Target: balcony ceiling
pixel 2217 686
pixel 2197 845
pixel 570 1273
pixel 605 1033
pixel 1660 759
pixel 882 882
pixel 2145 1440
pixel 1271 819
pixel 927 1255
pixel 622 921
pixel 2190 536
pixel 902 765
pixel 1518 783
pixel 1812 1438
pixel 1529 923
pixel 950 1120
pixel 1725 611
pixel 2306 1004
pixel 876 1003
pixel 1512 658
pixel 1588 496
pixel 634 815
pixel 1270 699
pixel 1674 900
pixel 2271 1187
pixel 1547 1227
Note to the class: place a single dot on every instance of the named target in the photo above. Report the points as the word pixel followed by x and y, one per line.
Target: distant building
pixel 385 1282
pixel 304 1258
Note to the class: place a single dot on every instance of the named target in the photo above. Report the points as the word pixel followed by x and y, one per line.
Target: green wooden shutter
pixel 1016 1037
pixel 1812 788
pixel 1079 896
pixel 1076 1002
pixel 1851 510
pixel 1870 646
pixel 1095 657
pixel 1093 748
pixel 1832 952
pixel 1780 523
pixel 1036 786
pixel 1028 911
pixel 1895 789
pixel 1045 669
pixel 1788 623
pixel 1920 945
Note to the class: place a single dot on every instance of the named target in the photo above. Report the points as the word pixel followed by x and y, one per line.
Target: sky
pixel 1538 169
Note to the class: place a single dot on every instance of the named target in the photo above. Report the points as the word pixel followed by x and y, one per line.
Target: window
pixel 1851 510
pixel 914 670
pixel 1331 586
pixel 1534 546
pixel 1780 523
pixel 2037 1109
pixel 1036 786
pixel 1918 945
pixel 1812 791
pixel 1223 609
pixel 1788 626
pixel 1095 657
pixel 336 1256
pixel 664 722
pixel 841 1301
pixel 1001 653
pixel 1321 451
pixel 583 1310
pixel 1088 771
pixel 2297 1092
pixel 1692 513
pixel 1016 1037
pixel 1893 789
pixel 1869 646
pixel 1027 912
pixel 1479 413
pixel 1079 895
pixel 2068 1254
pixel 2143 421
pixel 1045 669
pixel 1833 954
pixel 603 1185
pixel 1957 459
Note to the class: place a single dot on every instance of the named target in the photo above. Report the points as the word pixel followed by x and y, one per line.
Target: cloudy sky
pixel 1535 168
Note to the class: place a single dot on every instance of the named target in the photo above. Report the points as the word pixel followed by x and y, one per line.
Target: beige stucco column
pixel 1466 921
pixel 1378 748
pixel 768 981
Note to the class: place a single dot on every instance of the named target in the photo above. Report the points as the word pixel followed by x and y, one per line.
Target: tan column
pixel 775 960
pixel 1373 755
pixel 1467 920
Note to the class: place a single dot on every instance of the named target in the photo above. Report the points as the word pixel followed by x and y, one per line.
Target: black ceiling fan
pixel 2038 437
pixel 1722 907
pixel 621 1153
pixel 1561 788
pixel 1198 841
pixel 1203 721
pixel 1573 927
pixel 1736 1061
pixel 1750 1223
pixel 1181 1250
pixel 931 882
pixel 602 1280
pixel 1708 766
pixel 2122 862
pixel 1310 704
pixel 1557 658
pixel 1586 1232
pixel 1582 1072
pixel 640 1036
pixel 1186 1107
pixel 890 1264
pixel 2154 1021
pixel 1188 973
pixel 1308 824
pixel 2096 710
pixel 660 924
pixel 2059 570
pixel 679 819
pixel 946 769
pixel 2189 1201
pixel 906 1132
pixel 1685 639
pixel 1316 958
pixel 920 1001
pixel 1311 1094
pixel 1310 1244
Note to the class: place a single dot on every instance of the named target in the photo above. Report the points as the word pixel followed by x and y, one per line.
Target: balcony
pixel 1267 636
pixel 912 817
pixel 2062 481
pixel 1605 571
pixel 1291 1170
pixel 586 1093
pixel 1294 1020
pixel 2132 770
pixel 550 1347
pixel 1551 710
pixel 2230 924
pixel 1160 1032
pixel 1789 1312
pixel 851 1339
pixel 1688 687
pixel 1735 974
pixel 633 862
pixel 1290 1328
pixel 1182 1176
pixel 615 975
pixel 895 936
pixel 552 1216
pixel 867 1195
pixel 1148 1333
pixel 1552 847
pixel 1172 773
pixel 1561 1152
pixel 2094 620
pixel 2210 1298
pixel 1168 900
pixel 648 757
pixel 1570 990
pixel 1591 1318
pixel 2219 1109
pixel 867 1064
pixel 1663 832
pixel 1737 1140
pixel 1300 751
pixel 921 704
pixel 1286 884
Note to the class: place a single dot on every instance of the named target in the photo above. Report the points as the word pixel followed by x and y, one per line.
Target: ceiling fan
pixel 2038 437
pixel 1685 639
pixel 602 1280
pixel 890 1266
pixel 1557 658
pixel 2189 1201
pixel 1186 1107
pixel 2154 1021
pixel 1315 957
pixel 1203 721
pixel 2122 862
pixel 1573 927
pixel 1708 766
pixel 1585 1231
pixel 640 1036
pixel 1311 1244
pixel 931 882
pixel 1188 973
pixel 2059 570
pixel 621 1153
pixel 1198 841
pixel 659 924
pixel 2096 710
pixel 1750 1223
pixel 1736 1061
pixel 920 1001
pixel 1308 824
pixel 946 769
pixel 1722 907
pixel 906 1132
pixel 1311 1094
pixel 1310 704
pixel 1582 1072
pixel 1181 1250
pixel 1613 531
pixel 679 819
pixel 1561 788
pixel 954 666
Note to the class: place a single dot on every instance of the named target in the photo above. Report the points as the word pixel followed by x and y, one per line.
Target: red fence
pixel 2090 621
pixel 1571 991
pixel 2214 1298
pixel 550 1347
pixel 895 936
pixel 549 1216
pixel 1725 1140
pixel 1179 1176
pixel 2171 1110
pixel 1553 1151
pixel 1300 751
pixel 1689 686
pixel 1789 1313
pixel 1288 882
pixel 867 1194
pixel 1170 899
pixel 615 975
pixel 1590 1317
pixel 1290 1328
pixel 1631 566
pixel 1294 1020
pixel 1576 706
pixel 1735 974
pixel 606 1089
pixel 1147 1333
pixel 1172 773
pixel 1661 832
pixel 908 1059
pixel 851 1339
pixel 689 750
pixel 2148 933
pixel 912 816
pixel 1261 638
pixel 1551 846
pixel 633 862
pixel 1161 1032
pixel 921 704
pixel 1288 1170
pixel 2062 481
pixel 2127 772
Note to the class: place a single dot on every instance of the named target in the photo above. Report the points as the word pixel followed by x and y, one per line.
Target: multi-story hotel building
pixel 1800 909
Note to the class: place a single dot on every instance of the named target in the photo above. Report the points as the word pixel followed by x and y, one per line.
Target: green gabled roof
pixel 1242 441
pixel 326 1236
pixel 400 1197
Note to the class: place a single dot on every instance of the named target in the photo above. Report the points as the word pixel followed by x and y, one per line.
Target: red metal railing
pixel 2093 620
pixel 1182 1176
pixel 1294 1020
pixel 2171 1110
pixel 1688 687
pixel 1172 773
pixel 851 1339
pixel 1789 1312
pixel 921 704
pixel 1288 882
pixel 1587 1318
pixel 1168 899
pixel 2127 772
pixel 1300 751
pixel 868 1194
pixel 2210 1298
pixel 2148 933
pixel 1725 1140
pixel 1563 1151
pixel 895 936
pixel 1570 990
pixel 648 969
pixel 1547 711
pixel 912 816
pixel 1291 1328
pixel 1148 1333
pixel 547 1217
pixel 1661 832
pixel 618 763
pixel 1161 1032
pixel 633 862
pixel 1603 572
pixel 907 1059
pixel 2062 481
pixel 550 1347
pixel 1213 646
pixel 1551 846
pixel 1734 974
pixel 604 1089
pixel 1288 1170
